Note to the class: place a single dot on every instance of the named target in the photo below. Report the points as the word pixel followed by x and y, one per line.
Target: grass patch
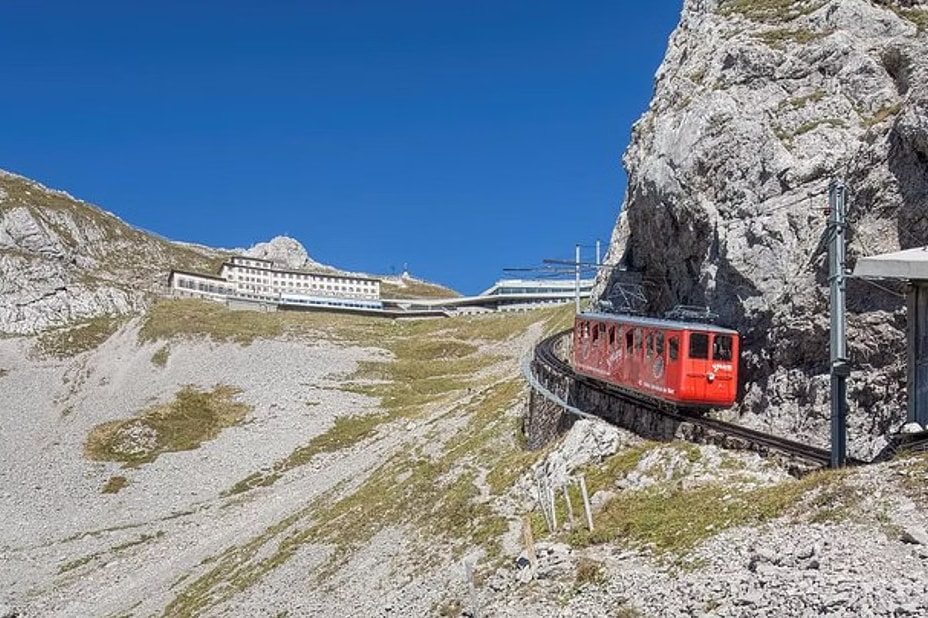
pixel 770 11
pixel 114 485
pixel 882 114
pixel 589 572
pixel 437 496
pixel 801 101
pixel 192 418
pixel 781 38
pixel 433 361
pixel 916 15
pixel 77 338
pixel 672 520
pixel 160 358
pixel 345 432
pixel 189 317
pixel 76 564
pixel 415 289
pixel 444 495
pixel 814 124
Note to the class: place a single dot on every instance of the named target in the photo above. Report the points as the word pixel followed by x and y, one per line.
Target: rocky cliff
pixel 63 260
pixel 758 105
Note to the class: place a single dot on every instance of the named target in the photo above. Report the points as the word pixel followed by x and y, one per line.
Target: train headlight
pixel 710 377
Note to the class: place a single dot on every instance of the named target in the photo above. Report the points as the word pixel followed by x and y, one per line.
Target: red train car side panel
pixel 684 363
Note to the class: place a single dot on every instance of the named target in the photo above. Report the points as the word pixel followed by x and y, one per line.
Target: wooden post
pixel 469 576
pixel 551 495
pixel 586 503
pixel 529 540
pixel 543 501
pixel 570 507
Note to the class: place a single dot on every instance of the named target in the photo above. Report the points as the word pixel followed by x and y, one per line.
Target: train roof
pixel 656 322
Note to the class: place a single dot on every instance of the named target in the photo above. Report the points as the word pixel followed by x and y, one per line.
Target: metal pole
pixel 577 278
pixel 837 247
pixel 598 254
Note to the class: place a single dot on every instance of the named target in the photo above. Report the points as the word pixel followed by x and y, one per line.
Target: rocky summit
pixel 63 260
pixel 757 106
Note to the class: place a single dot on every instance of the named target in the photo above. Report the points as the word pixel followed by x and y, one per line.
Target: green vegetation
pixel 589 573
pixel 126 248
pixel 912 477
pixel 442 491
pixel 436 493
pixel 434 361
pixel 183 317
pixel 916 15
pixel 79 562
pixel 781 38
pixel 770 11
pixel 115 484
pixel 74 564
pixel 801 101
pixel 814 124
pixel 160 358
pixel 192 418
pixel 415 289
pixel 882 115
pixel 806 127
pixel 671 519
pixel 77 338
pixel 346 431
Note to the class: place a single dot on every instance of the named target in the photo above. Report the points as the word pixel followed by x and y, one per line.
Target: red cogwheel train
pixel 689 364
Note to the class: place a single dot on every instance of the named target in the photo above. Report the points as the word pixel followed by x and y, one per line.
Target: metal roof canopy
pixel 909 265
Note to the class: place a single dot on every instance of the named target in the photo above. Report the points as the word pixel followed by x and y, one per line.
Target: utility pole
pixel 599 261
pixel 577 277
pixel 837 278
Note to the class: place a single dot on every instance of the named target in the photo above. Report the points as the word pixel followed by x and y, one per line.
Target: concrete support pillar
pixel 917 389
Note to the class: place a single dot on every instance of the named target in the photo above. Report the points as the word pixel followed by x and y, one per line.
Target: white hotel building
pixel 255 279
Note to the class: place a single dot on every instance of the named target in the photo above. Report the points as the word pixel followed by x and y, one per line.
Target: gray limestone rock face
pixel 283 251
pixel 63 260
pixel 757 107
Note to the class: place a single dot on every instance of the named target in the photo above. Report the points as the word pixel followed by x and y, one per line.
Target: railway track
pixel 728 434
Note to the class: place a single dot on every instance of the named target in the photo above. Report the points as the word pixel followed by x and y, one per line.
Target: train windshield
pixel 699 345
pixel 721 348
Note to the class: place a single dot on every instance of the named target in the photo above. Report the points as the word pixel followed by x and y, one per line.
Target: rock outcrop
pixel 63 260
pixel 285 252
pixel 757 107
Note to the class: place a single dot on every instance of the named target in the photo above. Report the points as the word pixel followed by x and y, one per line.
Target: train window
pixel 628 341
pixel 721 348
pixel 612 336
pixel 659 343
pixel 673 347
pixel 596 328
pixel 650 349
pixel 699 345
pixel 639 338
pixel 584 330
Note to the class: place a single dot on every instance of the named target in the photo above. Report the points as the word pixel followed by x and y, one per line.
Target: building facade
pixel 257 279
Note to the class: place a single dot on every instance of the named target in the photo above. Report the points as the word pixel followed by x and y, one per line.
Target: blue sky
pixel 458 137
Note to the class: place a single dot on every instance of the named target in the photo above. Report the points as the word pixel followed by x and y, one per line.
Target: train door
pixel 627 356
pixel 634 366
pixel 722 385
pixel 597 348
pixel 672 365
pixel 697 365
pixel 614 346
